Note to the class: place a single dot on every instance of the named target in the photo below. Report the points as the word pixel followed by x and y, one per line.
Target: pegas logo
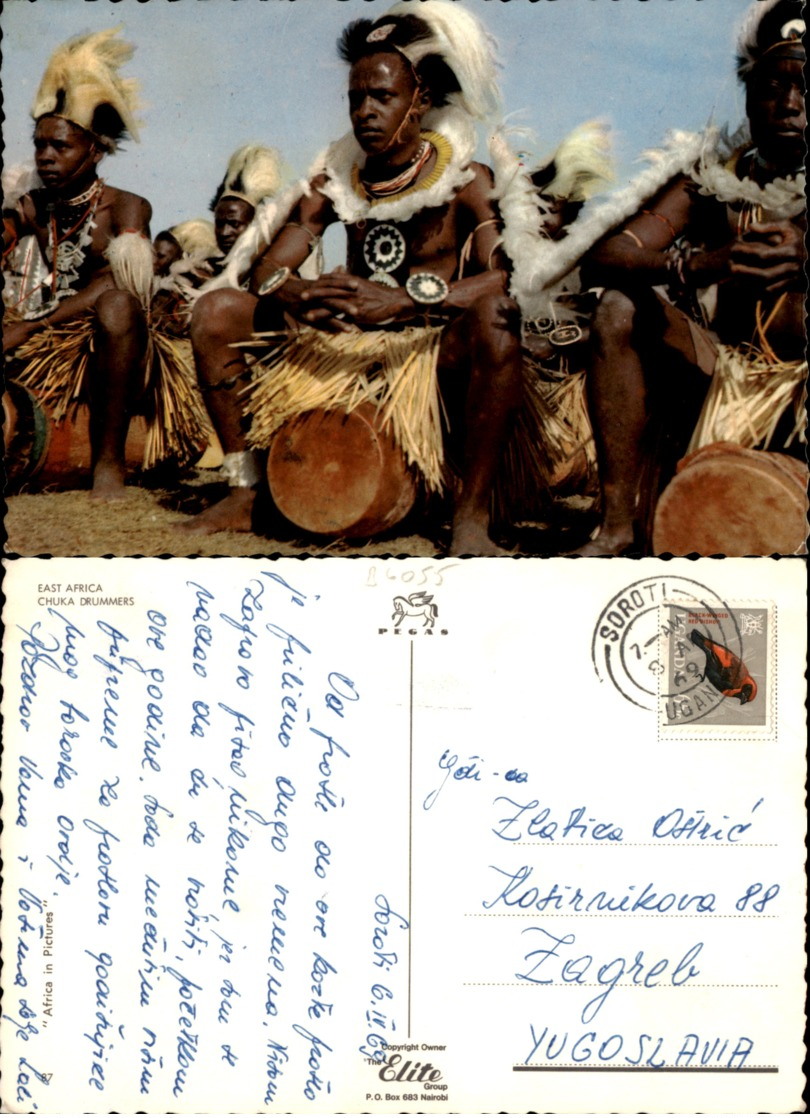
pixel 418 604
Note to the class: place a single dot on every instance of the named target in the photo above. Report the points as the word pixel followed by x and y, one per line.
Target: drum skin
pixel 727 500
pixel 53 453
pixel 335 474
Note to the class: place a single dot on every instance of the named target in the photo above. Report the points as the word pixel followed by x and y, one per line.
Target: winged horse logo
pixel 418 604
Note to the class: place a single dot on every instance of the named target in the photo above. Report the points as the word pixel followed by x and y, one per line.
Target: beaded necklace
pixel 80 199
pixel 404 178
pixel 444 154
pixel 67 250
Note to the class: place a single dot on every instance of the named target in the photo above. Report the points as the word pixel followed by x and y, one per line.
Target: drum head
pixel 337 475
pixel 727 500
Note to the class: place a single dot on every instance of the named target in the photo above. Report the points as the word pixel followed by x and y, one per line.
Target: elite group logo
pixel 408 1079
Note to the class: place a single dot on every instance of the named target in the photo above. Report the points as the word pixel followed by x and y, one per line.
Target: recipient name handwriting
pixel 179 763
pixel 522 818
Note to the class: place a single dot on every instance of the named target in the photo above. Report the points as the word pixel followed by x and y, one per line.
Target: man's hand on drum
pixel 771 254
pixel 339 301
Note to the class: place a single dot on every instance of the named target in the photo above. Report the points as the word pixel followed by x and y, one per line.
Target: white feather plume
pixel 131 258
pixel 582 163
pixel 83 74
pixel 254 172
pixel 467 48
pixel 522 209
pixel 538 272
pixel 19 180
pixel 196 236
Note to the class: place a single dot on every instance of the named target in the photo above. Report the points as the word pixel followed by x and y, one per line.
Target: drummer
pixel 75 217
pixel 168 251
pixel 434 198
pixel 732 257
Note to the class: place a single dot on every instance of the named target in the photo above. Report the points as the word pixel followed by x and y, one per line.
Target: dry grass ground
pixel 146 523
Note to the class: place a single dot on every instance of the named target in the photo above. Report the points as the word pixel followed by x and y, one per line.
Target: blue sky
pixel 219 73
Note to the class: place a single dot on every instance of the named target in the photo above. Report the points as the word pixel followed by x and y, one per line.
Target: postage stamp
pixel 716 669
pixel 672 645
pixel 628 633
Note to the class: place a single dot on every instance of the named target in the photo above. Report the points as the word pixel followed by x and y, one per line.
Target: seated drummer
pixel 168 251
pixel 76 218
pixel 403 265
pixel 733 231
pixel 231 218
pixel 253 173
pixel 189 254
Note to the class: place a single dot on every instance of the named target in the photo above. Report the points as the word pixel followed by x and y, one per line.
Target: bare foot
pixel 610 541
pixel 472 538
pixel 108 482
pixel 232 514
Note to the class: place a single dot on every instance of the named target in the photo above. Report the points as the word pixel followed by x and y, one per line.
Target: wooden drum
pixel 725 499
pixel 53 454
pixel 338 475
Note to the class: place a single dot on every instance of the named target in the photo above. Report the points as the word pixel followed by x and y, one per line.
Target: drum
pixel 338 475
pixel 53 454
pixel 725 499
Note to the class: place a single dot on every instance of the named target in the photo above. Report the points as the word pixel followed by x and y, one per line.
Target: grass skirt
pixel 393 370
pixel 55 368
pixel 550 452
pixel 749 393
pixel 396 372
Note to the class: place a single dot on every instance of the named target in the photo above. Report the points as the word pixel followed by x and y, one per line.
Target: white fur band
pixel 241 469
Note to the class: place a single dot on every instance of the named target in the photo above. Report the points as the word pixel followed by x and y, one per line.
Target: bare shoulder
pixel 127 210
pixel 484 179
pixel 25 214
pixel 315 209
pixel 477 194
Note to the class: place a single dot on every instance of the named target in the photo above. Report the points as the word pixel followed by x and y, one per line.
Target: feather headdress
pixel 82 84
pixel 449 49
pixel 462 42
pixel 540 265
pixel 767 25
pixel 580 167
pixel 254 172
pixel 196 237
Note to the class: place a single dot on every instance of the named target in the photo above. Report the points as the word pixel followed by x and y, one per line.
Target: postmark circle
pixel 641 642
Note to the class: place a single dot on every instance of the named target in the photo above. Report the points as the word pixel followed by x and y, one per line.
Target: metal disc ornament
pixel 274 281
pixel 424 287
pixel 383 279
pixel 384 248
pixel 565 335
pixel 541 326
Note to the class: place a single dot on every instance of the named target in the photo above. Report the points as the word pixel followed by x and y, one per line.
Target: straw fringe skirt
pixel 550 447
pixel 748 395
pixel 396 372
pixel 55 368
pixel 393 370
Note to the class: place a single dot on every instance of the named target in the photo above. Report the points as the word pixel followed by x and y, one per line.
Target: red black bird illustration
pixel 725 671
